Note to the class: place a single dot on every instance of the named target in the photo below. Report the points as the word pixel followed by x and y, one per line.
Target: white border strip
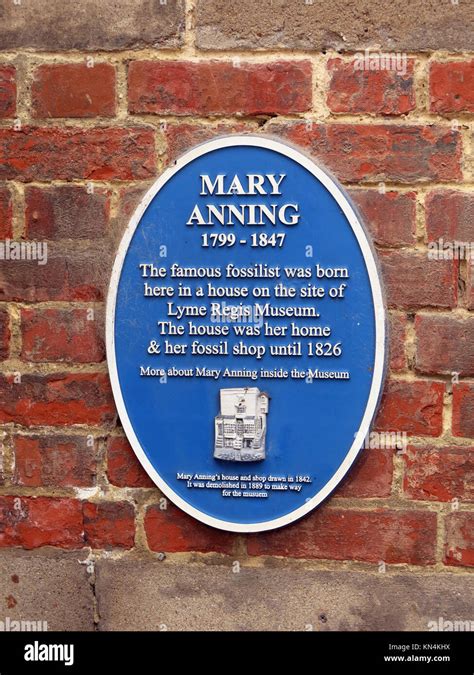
pixel 379 309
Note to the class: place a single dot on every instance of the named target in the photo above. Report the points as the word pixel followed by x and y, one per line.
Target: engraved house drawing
pixel 241 425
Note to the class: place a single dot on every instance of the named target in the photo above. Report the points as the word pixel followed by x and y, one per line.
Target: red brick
pixel 412 280
pixel 412 407
pixel 109 525
pixel 123 467
pixel 73 90
pixel 450 216
pixel 70 153
pixel 30 280
pixel 60 399
pixel 463 409
pixel 58 461
pixel 459 548
pixel 66 212
pixel 7 91
pixel 452 87
pixel 379 152
pixel 369 536
pixel 62 335
pixel 390 216
pixel 219 87
pixel 371 476
pixel 381 92
pixel 4 334
pixel 397 334
pixel 78 274
pixel 128 200
pixel 6 213
pixel 87 272
pixel 444 344
pixel 182 137
pixel 31 522
pixel 173 530
pixel 439 474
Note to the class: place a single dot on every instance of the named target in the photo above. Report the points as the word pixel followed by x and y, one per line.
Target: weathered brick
pixel 398 332
pixel 7 91
pixel 371 476
pixel 450 216
pixel 73 90
pixel 370 536
pixel 66 212
pixel 380 92
pixel 412 280
pixel 354 152
pixel 6 213
pixel 182 137
pixel 87 273
pixel 463 409
pixel 58 399
pixel 379 152
pixel 444 344
pixel 79 274
pixel 4 334
pixel 390 216
pixel 412 407
pixel 452 87
pixel 172 530
pixel 31 522
pixel 30 281
pixel 128 200
pixel 123 467
pixel 105 25
pixel 70 153
pixel 57 461
pixel 459 549
pixel 71 335
pixel 219 87
pixel 109 524
pixel 439 474
pixel 294 24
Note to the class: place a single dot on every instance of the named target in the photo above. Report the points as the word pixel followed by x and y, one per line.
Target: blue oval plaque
pixel 246 333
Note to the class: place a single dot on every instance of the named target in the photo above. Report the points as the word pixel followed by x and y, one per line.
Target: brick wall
pixel 93 105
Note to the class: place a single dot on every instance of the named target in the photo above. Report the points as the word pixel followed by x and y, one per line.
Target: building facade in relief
pixel 241 426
